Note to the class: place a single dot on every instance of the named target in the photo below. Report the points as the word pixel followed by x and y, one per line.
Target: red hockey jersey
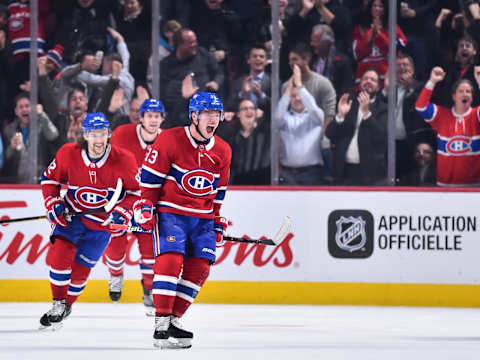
pixel 458 141
pixel 373 54
pixel 183 177
pixel 19 27
pixel 128 137
pixel 91 184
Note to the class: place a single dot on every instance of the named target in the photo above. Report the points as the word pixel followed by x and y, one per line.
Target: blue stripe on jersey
pixel 59 277
pixel 187 290
pixel 24 46
pixel 428 112
pixel 164 285
pixel 461 147
pixel 147 177
pixel 221 195
pixel 176 174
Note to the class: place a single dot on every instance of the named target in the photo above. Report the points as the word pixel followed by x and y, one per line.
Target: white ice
pixel 246 332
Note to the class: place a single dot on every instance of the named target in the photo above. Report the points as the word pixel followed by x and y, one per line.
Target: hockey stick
pixel 276 240
pixel 104 209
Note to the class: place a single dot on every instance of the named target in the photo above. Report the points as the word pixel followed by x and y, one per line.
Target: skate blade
pixel 185 343
pixel 172 345
pixel 149 311
pixel 53 327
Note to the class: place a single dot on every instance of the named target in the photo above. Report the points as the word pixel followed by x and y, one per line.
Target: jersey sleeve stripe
pixel 428 113
pixel 49 182
pixel 151 178
pixel 150 186
pixel 152 171
pixel 221 195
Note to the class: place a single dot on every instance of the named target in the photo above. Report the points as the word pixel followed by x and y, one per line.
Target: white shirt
pixel 300 133
pixel 352 155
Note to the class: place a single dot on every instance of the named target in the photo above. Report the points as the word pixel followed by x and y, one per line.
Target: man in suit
pixel 328 61
pixel 408 123
pixel 359 135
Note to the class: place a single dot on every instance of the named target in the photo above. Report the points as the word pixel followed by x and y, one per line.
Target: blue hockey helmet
pixel 95 121
pixel 205 101
pixel 153 105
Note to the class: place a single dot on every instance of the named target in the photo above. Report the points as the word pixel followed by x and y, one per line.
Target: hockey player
pixel 90 170
pixel 458 131
pixel 185 175
pixel 138 139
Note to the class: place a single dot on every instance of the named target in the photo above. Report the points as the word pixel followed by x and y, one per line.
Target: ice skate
pixel 160 334
pixel 148 302
pixel 52 319
pixel 68 311
pixel 178 334
pixel 115 286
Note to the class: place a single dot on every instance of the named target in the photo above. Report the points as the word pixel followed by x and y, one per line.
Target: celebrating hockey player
pixel 138 139
pixel 183 181
pixel 90 169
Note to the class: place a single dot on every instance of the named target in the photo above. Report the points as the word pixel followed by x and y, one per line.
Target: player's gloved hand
pixel 143 213
pixel 119 216
pixel 220 224
pixel 56 210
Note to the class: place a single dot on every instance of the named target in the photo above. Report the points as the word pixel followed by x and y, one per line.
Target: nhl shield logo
pixel 350 233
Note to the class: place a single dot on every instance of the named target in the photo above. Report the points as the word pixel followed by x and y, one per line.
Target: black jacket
pixel 372 142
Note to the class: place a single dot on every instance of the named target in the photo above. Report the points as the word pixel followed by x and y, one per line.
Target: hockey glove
pixel 143 213
pixel 220 224
pixel 119 216
pixel 56 210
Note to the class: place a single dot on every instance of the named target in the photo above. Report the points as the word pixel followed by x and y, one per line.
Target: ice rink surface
pixel 246 332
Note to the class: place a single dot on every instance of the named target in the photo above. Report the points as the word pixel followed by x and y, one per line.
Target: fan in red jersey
pixel 458 130
pixel 90 169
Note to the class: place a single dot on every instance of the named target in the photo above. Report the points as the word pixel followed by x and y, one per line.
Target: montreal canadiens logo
pixel 16 25
pixel 198 182
pixel 459 145
pixel 91 198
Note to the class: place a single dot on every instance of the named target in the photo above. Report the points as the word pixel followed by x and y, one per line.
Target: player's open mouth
pixel 210 129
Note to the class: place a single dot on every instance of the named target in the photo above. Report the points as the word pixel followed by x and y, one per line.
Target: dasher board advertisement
pixel 337 236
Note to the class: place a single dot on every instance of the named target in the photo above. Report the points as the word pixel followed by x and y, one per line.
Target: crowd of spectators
pixel 95 55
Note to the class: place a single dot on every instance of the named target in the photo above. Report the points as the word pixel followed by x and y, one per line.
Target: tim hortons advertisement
pixel 24 245
pixel 336 236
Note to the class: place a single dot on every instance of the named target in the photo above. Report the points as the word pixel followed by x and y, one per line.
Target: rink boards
pixel 347 246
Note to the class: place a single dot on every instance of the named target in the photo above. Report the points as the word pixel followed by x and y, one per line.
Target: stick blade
pixel 283 232
pixel 116 195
